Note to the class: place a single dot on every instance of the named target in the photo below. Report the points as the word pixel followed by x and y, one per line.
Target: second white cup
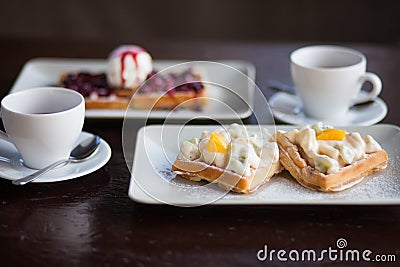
pixel 43 123
pixel 328 79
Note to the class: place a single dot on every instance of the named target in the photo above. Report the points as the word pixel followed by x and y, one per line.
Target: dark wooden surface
pixel 90 221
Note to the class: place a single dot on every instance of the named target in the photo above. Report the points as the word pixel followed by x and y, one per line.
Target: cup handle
pixel 376 88
pixel 3 135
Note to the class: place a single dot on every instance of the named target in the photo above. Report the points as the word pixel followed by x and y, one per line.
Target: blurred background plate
pixel 232 100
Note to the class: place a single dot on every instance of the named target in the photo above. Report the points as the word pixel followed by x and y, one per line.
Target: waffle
pixel 232 158
pixel 99 95
pixel 293 160
pixel 197 171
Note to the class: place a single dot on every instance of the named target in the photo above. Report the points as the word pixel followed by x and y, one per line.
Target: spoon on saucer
pixel 278 86
pixel 80 153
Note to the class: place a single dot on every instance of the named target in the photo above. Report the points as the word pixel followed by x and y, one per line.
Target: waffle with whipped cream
pixel 233 158
pixel 327 159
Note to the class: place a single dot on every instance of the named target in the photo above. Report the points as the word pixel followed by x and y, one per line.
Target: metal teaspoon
pixel 80 153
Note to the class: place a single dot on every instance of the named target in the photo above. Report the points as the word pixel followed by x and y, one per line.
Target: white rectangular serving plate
pixel 157 146
pixel 40 72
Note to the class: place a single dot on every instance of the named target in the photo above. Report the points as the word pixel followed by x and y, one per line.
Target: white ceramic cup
pixel 328 79
pixel 43 123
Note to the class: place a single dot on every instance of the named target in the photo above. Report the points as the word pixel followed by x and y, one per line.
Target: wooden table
pixel 91 221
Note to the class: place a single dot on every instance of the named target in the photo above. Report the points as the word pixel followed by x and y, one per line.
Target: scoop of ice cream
pixel 128 66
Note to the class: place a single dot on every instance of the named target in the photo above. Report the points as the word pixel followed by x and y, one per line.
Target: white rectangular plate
pixel 47 71
pixel 157 147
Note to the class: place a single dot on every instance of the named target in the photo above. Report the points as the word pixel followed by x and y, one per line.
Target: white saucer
pixel 11 166
pixel 287 108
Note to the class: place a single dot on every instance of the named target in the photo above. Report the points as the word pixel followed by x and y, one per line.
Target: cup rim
pixel 48 88
pixel 327 47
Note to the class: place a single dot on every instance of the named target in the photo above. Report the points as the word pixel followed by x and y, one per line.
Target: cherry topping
pixel 173 82
pixel 86 84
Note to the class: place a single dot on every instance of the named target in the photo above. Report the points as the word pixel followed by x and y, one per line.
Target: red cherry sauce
pixel 124 54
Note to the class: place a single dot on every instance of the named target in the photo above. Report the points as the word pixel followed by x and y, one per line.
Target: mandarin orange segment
pixel 331 134
pixel 217 143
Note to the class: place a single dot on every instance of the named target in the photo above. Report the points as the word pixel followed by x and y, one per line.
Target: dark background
pixel 143 22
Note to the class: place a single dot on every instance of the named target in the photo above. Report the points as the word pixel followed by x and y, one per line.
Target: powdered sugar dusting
pixel 383 185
